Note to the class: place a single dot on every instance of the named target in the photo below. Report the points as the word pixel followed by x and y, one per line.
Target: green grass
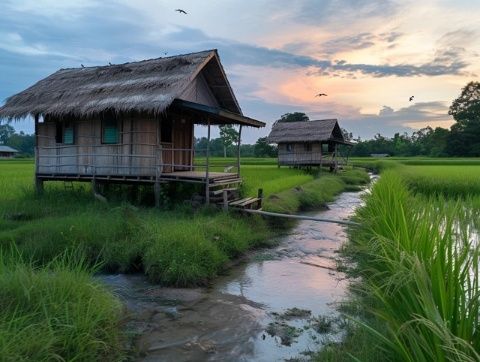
pixel 272 179
pixel 176 246
pixel 418 259
pixel 448 180
pixel 52 309
pixel 315 193
pixel 56 312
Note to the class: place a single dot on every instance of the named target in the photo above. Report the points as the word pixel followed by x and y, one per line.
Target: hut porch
pixel 131 122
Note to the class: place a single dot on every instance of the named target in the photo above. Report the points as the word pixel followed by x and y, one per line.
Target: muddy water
pixel 247 315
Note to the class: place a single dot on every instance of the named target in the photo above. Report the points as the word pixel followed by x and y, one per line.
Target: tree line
pixel 462 139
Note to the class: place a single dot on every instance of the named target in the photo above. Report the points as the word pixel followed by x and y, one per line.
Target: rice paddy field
pixel 51 245
pixel 415 295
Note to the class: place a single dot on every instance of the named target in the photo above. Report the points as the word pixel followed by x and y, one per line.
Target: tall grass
pixel 419 263
pixel 316 193
pixel 56 312
pixel 447 180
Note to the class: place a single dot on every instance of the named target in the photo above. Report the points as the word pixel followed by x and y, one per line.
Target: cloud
pixel 248 54
pixel 350 42
pixel 14 43
pixel 389 121
pixel 340 12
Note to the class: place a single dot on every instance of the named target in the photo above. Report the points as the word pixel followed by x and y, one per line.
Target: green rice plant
pixel 56 312
pixel 450 181
pixel 419 261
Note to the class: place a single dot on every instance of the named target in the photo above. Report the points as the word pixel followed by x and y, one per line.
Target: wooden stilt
pixel 238 150
pixel 157 190
pixel 38 185
pixel 207 176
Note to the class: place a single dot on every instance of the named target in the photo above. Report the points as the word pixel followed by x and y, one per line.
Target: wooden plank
pixel 241 201
pixel 219 192
pixel 246 203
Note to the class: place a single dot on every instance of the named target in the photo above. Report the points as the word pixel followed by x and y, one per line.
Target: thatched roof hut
pixel 131 122
pixel 311 143
pixel 312 131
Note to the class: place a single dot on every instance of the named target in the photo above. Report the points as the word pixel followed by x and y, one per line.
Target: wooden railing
pixel 150 160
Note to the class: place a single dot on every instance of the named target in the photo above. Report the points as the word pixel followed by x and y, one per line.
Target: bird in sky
pixel 181 11
pixel 110 63
pixel 321 95
pixel 410 99
pixel 82 65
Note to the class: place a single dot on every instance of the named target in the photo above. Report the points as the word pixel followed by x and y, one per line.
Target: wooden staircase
pixel 229 197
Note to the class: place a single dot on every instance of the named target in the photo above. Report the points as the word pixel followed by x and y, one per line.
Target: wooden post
pixel 207 178
pixel 157 189
pixel 260 198
pixel 238 150
pixel 38 181
pixel 225 199
pixel 335 158
pixel 94 181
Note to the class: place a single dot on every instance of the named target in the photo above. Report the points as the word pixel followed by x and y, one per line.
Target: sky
pixel 368 56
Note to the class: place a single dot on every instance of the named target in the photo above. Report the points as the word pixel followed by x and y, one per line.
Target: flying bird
pixel 181 11
pixel 321 95
pixel 410 99
pixel 82 65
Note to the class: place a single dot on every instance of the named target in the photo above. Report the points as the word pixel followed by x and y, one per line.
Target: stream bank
pixel 278 304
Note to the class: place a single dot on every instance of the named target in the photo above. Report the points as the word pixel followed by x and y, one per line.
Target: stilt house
pixel 130 123
pixel 310 143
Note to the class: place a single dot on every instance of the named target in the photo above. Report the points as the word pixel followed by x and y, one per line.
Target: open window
pixel 166 128
pixel 110 131
pixel 289 147
pixel 308 147
pixel 65 133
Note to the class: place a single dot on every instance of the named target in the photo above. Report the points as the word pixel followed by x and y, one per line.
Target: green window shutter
pixel 110 134
pixel 68 136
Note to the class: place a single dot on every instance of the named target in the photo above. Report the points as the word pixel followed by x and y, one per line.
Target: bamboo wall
pixel 299 154
pixel 139 151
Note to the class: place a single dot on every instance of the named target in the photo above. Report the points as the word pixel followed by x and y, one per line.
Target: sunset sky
pixel 368 56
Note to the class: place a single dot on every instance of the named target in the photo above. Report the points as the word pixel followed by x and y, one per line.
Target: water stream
pixel 275 306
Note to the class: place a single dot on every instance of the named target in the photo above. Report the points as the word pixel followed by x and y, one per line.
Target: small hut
pixel 310 143
pixel 7 152
pixel 132 122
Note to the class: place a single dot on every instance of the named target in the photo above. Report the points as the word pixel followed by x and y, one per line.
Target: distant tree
pixel 6 131
pixel 229 136
pixel 24 143
pixel 247 150
pixel 294 117
pixel 347 135
pixel 263 149
pixel 464 139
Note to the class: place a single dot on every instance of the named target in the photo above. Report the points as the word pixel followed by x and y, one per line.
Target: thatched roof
pixel 310 131
pixel 145 86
